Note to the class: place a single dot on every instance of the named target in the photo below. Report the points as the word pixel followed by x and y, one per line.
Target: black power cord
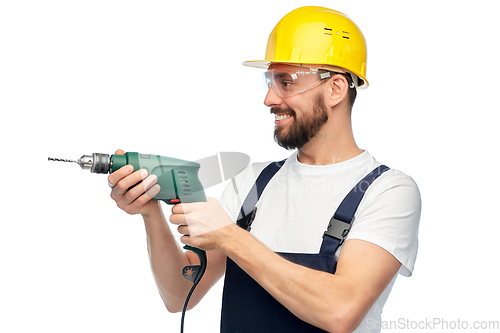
pixel 185 306
pixel 193 273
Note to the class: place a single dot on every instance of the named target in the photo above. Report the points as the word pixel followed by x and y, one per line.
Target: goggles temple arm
pixel 352 79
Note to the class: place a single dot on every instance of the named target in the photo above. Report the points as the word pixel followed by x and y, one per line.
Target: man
pixel 285 275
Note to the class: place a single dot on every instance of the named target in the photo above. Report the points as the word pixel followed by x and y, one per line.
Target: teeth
pixel 283 116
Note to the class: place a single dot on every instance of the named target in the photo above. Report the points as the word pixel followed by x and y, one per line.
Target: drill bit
pixel 85 162
pixel 62 160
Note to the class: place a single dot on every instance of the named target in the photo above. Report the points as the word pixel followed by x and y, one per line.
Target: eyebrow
pixel 281 75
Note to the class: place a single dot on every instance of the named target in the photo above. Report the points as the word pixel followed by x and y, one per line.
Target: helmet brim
pixel 257 64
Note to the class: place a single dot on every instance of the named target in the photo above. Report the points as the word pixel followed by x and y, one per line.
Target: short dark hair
pixel 352 92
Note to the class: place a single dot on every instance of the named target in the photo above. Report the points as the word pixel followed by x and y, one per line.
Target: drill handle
pixel 189 189
pixel 187 184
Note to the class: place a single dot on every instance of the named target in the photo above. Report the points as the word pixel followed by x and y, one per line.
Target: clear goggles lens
pixel 286 84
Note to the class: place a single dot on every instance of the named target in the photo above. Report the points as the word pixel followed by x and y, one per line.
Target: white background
pixel 159 77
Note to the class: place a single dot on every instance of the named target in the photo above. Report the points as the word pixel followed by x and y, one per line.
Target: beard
pixel 302 129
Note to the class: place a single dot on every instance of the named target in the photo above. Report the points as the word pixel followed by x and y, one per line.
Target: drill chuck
pixel 96 163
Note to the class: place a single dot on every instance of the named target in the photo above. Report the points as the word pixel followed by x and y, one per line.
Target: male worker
pixel 284 273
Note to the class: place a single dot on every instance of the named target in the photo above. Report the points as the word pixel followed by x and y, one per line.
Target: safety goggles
pixel 286 83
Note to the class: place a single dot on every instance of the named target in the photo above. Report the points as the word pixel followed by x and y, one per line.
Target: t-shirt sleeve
pixel 389 217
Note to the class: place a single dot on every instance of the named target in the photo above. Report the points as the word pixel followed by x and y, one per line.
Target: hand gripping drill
pixel 179 183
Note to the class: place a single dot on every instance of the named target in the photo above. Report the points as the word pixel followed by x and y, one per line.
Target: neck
pixel 334 143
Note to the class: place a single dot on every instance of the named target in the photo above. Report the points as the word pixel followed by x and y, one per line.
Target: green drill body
pixel 178 179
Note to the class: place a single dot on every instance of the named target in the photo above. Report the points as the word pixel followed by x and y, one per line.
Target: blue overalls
pixel 249 308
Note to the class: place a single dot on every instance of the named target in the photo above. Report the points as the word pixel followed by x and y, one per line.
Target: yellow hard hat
pixel 318 37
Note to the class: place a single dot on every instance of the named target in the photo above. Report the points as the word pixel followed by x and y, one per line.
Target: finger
pixel 178 219
pixel 126 183
pixel 149 182
pixel 140 189
pixel 183 229
pixel 147 196
pixel 185 240
pixel 119 174
pixel 183 208
pixel 119 152
pixel 189 240
pixel 153 191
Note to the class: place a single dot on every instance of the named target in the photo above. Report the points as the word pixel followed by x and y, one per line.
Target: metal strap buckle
pixel 246 221
pixel 338 229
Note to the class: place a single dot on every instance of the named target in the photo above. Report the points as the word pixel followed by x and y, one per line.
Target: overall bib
pixel 249 308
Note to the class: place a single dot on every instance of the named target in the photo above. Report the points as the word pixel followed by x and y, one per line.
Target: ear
pixel 337 90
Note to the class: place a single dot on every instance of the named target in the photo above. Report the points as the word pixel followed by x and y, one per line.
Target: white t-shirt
pixel 294 210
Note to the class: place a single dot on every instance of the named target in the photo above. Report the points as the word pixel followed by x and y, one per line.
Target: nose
pixel 272 99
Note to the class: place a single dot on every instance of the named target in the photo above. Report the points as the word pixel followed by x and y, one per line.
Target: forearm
pixel 167 261
pixel 166 256
pixel 334 302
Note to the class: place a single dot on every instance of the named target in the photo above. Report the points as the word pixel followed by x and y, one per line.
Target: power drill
pixel 179 183
pixel 178 179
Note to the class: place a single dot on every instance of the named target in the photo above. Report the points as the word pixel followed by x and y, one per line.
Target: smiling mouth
pixel 282 116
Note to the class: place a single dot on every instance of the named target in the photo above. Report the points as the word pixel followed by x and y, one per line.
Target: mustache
pixel 286 110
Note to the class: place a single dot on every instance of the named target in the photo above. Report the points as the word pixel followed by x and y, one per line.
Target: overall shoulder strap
pixel 247 212
pixel 340 223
